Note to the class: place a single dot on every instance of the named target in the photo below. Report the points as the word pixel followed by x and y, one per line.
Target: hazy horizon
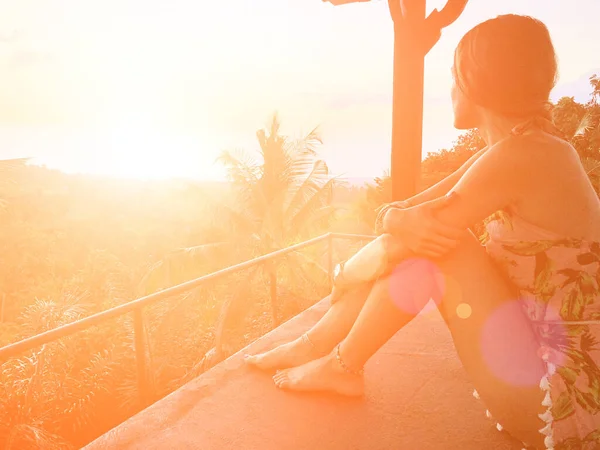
pixel 156 90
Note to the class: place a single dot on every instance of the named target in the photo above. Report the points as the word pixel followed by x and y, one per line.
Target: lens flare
pixel 512 352
pixel 415 282
pixel 464 311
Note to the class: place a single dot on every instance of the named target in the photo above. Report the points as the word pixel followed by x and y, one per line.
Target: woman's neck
pixel 496 128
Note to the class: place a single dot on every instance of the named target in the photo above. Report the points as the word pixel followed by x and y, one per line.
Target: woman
pixel 523 310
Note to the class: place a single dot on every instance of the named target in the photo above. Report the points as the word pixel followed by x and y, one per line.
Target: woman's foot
pixel 323 374
pixel 292 354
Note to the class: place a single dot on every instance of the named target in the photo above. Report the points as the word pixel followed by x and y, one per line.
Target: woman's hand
pixel 420 231
pixel 383 209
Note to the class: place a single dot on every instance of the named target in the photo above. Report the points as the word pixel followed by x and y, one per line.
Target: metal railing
pixel 136 307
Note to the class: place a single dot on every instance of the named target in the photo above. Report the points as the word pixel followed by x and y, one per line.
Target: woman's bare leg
pixel 494 342
pixel 324 335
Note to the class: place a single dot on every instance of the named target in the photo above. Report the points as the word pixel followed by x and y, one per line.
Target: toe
pixel 283 382
pixel 280 375
pixel 277 380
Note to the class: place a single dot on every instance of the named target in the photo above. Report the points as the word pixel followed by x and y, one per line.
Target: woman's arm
pixel 436 191
pixel 388 248
pixel 444 186
pixel 478 184
pixel 495 180
pixel 371 262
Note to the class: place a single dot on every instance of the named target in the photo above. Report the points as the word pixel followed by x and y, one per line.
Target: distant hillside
pixel 359 181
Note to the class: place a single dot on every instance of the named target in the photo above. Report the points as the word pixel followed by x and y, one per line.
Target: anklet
pixel 306 339
pixel 343 364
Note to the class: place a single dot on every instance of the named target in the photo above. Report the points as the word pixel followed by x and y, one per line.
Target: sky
pixel 154 89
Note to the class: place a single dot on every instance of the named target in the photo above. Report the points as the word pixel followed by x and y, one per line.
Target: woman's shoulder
pixel 539 141
pixel 521 162
pixel 539 149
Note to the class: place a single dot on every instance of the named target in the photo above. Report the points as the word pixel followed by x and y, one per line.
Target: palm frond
pixel 237 218
pixel 307 145
pixel 310 262
pixel 321 197
pixel 34 436
pixel 241 167
pixel 324 217
pixel 274 124
pixel 593 169
pixel 595 82
pixel 584 125
pixel 302 165
pixel 272 146
pixel 45 314
pixel 204 250
pixel 303 183
pixel 181 265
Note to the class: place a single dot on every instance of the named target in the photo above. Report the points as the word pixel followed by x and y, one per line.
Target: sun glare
pixel 141 152
pixel 145 152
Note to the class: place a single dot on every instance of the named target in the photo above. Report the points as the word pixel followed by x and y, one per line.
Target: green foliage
pixel 73 246
pixel 581 123
pixel 438 165
pixel 76 245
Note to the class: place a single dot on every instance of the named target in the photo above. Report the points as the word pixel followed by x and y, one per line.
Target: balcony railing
pixel 137 308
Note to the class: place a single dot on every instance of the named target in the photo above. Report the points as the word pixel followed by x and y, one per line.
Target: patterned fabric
pixel 559 284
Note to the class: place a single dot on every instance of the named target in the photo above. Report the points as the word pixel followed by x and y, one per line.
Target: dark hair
pixel 508 65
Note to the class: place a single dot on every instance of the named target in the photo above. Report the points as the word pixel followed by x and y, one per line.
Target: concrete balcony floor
pixel 417 397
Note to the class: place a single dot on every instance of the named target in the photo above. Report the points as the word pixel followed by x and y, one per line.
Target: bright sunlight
pixel 204 244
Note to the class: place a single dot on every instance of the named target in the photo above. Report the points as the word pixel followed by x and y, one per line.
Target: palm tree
pixel 581 125
pixel 282 195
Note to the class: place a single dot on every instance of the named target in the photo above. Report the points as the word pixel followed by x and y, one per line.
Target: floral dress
pixel 559 284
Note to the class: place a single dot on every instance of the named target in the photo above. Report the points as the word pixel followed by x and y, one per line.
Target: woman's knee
pixel 417 281
pixel 356 295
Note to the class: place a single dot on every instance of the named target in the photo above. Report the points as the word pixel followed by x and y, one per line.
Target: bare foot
pixel 323 374
pixel 292 354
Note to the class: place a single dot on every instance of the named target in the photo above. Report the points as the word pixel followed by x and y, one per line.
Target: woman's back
pixel 558 196
pixel 548 245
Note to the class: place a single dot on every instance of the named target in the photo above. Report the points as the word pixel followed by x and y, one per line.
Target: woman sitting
pixel 523 309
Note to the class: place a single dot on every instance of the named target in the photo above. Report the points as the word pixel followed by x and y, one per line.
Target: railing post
pixel 273 289
pixel 330 260
pixel 140 357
